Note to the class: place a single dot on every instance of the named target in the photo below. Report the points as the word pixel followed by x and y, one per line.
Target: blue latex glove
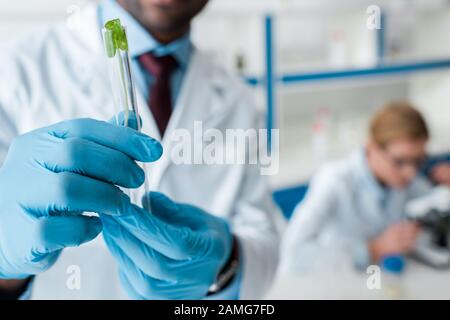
pixel 52 175
pixel 175 252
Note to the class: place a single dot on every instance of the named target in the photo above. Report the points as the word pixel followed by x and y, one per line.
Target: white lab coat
pixel 344 208
pixel 60 74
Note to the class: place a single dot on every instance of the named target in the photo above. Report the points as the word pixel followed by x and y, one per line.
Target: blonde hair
pixel 398 120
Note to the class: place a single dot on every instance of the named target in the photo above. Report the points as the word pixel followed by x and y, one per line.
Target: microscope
pixel 432 213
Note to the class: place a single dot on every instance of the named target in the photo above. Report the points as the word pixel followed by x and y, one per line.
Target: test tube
pixel 123 90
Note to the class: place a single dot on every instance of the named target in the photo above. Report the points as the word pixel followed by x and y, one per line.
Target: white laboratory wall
pixel 20 16
pixel 318 121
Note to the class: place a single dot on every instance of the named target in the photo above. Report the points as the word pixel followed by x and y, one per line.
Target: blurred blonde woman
pixel 355 207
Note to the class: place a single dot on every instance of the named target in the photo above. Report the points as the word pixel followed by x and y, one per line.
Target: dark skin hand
pixel 165 20
pixel 12 288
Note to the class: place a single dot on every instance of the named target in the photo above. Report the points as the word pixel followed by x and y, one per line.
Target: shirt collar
pixel 368 177
pixel 141 41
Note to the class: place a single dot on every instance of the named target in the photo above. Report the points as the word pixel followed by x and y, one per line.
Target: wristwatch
pixel 228 272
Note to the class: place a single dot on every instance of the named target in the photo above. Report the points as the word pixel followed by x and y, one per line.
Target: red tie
pixel 160 97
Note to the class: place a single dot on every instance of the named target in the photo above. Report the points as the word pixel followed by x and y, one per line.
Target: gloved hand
pixel 174 252
pixel 52 175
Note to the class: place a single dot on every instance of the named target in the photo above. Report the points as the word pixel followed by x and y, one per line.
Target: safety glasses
pixel 401 162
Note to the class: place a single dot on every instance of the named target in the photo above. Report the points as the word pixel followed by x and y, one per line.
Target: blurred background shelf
pixel 381 70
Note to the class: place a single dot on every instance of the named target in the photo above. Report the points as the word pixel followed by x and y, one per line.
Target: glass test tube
pixel 124 92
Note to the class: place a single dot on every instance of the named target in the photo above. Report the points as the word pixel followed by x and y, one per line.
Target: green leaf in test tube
pixel 116 37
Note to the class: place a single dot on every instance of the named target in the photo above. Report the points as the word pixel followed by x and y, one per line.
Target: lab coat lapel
pixel 194 104
pixel 149 126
